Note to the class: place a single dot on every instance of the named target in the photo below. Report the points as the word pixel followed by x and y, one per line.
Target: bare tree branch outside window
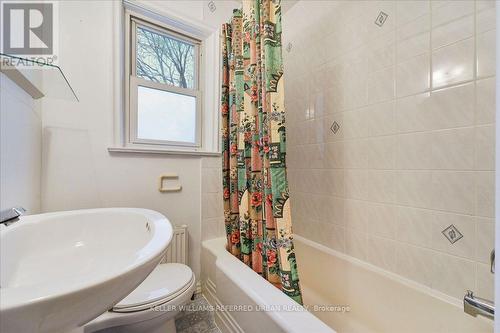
pixel 163 59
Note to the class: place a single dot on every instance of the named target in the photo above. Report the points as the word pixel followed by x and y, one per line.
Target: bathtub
pixel 242 299
pixel 341 294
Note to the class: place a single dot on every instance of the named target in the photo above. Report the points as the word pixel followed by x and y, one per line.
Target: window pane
pixel 163 115
pixel 164 59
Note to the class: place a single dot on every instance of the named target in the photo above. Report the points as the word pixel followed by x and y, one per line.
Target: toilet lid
pixel 164 282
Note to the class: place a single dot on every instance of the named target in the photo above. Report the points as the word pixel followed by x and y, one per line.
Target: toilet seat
pixel 127 315
pixel 165 283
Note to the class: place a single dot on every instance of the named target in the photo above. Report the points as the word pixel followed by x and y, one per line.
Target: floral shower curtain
pixel 256 199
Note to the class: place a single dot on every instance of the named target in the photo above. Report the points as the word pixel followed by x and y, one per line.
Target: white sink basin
pixel 61 270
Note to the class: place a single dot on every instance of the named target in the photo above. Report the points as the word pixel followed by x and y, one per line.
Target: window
pixel 167 82
pixel 164 98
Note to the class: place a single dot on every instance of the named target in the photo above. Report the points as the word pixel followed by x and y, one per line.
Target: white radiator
pixel 177 251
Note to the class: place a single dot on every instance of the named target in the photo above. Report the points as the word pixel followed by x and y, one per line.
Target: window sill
pixel 136 150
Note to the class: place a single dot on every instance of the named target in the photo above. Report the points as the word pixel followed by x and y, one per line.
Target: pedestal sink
pixel 60 270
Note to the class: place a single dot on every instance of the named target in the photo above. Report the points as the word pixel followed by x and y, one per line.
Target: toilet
pixel 152 306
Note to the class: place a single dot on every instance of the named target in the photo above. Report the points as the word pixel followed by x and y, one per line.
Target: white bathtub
pixel 374 300
pixel 229 283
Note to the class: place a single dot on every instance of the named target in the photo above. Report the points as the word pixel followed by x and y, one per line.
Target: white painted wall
pixel 78 171
pixel 20 148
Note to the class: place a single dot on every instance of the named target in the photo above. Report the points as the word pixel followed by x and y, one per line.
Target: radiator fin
pixel 178 248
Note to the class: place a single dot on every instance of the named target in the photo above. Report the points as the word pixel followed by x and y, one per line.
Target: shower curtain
pixel 255 187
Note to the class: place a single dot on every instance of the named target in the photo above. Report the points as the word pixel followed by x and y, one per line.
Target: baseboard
pixel 223 319
pixel 198 288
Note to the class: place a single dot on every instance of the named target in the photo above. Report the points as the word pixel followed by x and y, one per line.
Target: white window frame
pixel 136 82
pixel 209 82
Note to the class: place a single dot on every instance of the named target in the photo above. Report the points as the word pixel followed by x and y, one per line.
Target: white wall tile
pixel 446 11
pixel 415 226
pixel 464 247
pixel 415 150
pixel 381 53
pixel 356 218
pixel 211 162
pixel 453 191
pixel 453 149
pixel 407 11
pixel 485 15
pixel 451 107
pixel 413 28
pixel 413 46
pixel 328 121
pixel 211 228
pixel 485 147
pixel 485 101
pixel 356 243
pixel 383 221
pixel 485 239
pixel 373 153
pixel 453 31
pixel 485 281
pixel 485 193
pixel 486 54
pixel 211 205
pixel 211 180
pixel 381 252
pixel 335 237
pixel 333 210
pixel 372 120
pixel 413 262
pixel 413 188
pixel 372 185
pixel 452 275
pixel 412 76
pixel 414 114
pixel 380 86
pixel 453 63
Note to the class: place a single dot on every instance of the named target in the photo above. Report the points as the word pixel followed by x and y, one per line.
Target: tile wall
pixel 212 212
pixel 391 134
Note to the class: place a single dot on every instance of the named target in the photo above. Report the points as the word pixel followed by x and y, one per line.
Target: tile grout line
pixel 401 205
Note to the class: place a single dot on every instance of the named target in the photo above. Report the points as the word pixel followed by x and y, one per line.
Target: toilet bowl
pixel 152 306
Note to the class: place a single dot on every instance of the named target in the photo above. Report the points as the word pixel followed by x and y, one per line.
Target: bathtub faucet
pixel 11 215
pixel 478 306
